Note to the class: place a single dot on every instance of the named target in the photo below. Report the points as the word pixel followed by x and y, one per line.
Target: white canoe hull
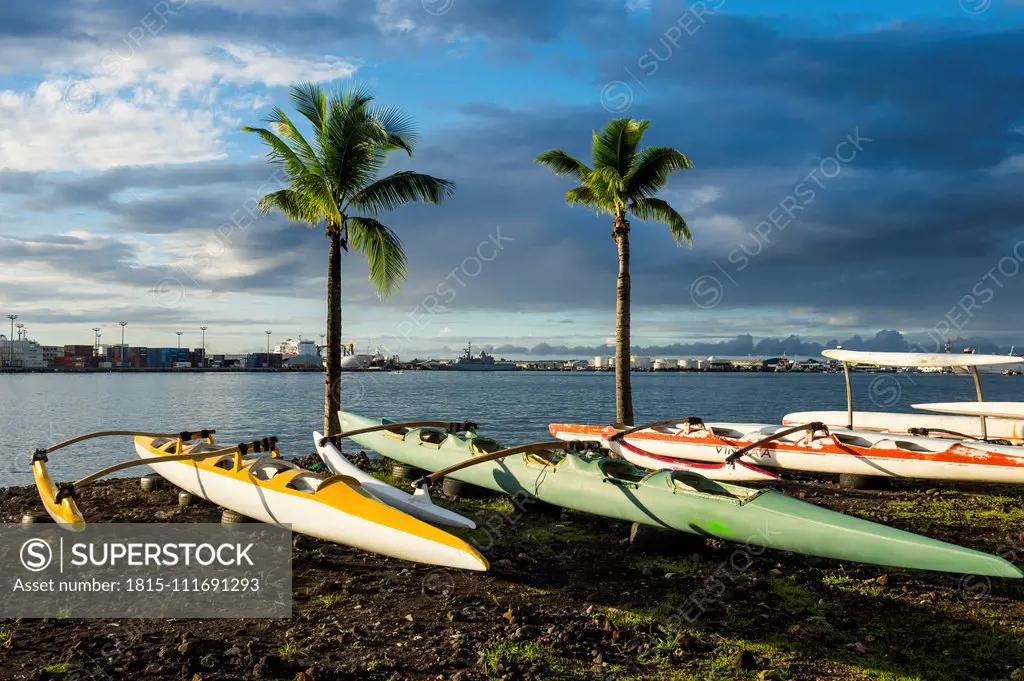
pixel 848 452
pixel 900 424
pixel 995 410
pixel 417 505
pixel 306 515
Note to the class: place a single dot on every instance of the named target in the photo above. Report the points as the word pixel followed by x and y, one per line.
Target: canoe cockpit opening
pixel 900 444
pixel 266 468
pixel 691 482
pixel 854 440
pixel 226 462
pixel 483 445
pixel 545 457
pixel 305 482
pixel 429 436
pixel 622 470
pixel 164 444
pixel 726 432
pixel 398 433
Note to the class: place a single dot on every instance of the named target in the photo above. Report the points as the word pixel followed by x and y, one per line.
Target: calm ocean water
pixel 41 409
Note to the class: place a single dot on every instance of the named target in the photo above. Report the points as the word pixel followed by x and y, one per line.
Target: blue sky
pixel 122 164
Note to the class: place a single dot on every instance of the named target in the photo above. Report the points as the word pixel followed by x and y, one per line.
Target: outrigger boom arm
pixel 242 448
pixel 184 436
pixel 691 420
pixel 577 446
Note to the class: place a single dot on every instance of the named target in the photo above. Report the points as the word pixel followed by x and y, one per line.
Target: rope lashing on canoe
pixel 688 420
pixel 40 454
pixel 811 429
pixel 66 490
pixel 449 427
pixel 574 447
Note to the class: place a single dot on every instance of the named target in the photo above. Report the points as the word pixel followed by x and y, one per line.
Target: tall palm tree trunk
pixel 623 389
pixel 332 382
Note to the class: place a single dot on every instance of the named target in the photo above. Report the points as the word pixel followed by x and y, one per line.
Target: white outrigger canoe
pixel 892 423
pixel 417 504
pixel 266 488
pixel 959 425
pixel 997 410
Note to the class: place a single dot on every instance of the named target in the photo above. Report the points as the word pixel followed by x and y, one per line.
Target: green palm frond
pixel 310 100
pixel 280 154
pixel 659 210
pixel 654 166
pixel 399 189
pixel 562 163
pixel 582 196
pixel 286 130
pixel 383 251
pixel 397 127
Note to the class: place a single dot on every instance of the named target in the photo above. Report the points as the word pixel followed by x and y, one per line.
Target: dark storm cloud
pixel 904 232
pixel 933 98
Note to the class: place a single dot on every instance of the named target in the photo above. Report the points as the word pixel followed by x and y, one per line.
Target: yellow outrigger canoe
pixel 267 488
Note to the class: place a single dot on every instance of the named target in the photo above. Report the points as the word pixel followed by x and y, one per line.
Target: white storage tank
pixel 642 363
pixel 685 364
pixel 663 364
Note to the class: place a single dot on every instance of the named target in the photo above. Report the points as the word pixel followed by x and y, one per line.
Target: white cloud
pixel 169 101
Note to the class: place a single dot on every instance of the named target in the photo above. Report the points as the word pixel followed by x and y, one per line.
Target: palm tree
pixel 624 181
pixel 334 181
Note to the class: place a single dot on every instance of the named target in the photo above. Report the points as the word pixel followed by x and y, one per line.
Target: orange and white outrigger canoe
pixel 625 447
pixel 267 488
pixel 815 449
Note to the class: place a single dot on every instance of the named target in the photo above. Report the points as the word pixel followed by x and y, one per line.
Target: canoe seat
pixel 266 468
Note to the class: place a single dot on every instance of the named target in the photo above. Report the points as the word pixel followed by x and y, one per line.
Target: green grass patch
pixel 796 598
pixel 523 655
pixel 329 600
pixel 5 635
pixel 58 668
pixel 290 649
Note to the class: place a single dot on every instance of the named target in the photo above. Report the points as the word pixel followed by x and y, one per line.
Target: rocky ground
pixel 568 598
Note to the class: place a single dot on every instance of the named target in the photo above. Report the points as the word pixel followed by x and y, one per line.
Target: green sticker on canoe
pixel 719 527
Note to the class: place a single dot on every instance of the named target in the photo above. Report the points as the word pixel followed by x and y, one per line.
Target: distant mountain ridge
pixel 745 344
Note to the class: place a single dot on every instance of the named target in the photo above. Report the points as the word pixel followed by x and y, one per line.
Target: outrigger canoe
pixel 957 426
pixel 819 450
pixel 417 504
pixel 894 423
pixel 678 500
pixel 266 488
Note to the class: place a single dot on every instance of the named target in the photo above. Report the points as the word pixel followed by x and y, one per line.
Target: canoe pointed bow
pixel 781 522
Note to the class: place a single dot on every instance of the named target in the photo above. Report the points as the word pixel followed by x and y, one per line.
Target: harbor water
pixel 37 410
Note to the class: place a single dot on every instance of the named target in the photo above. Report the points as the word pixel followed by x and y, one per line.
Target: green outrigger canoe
pixel 678 500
